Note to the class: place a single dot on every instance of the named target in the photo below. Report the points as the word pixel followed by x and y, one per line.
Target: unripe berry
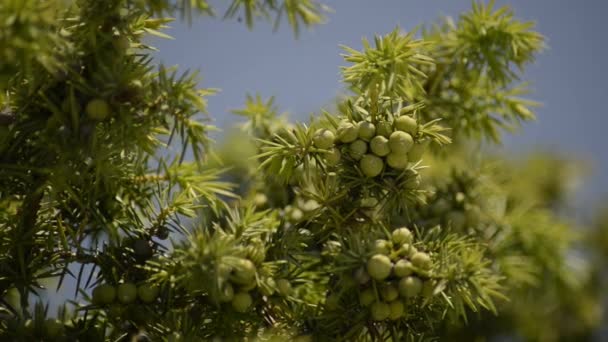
pixel 347 132
pixel 421 260
pixel 403 268
pixel 367 130
pixel 382 246
pixel 379 267
pixel 126 293
pixel 260 200
pixel 384 128
pixel 413 250
pixel 147 293
pixel 380 311
pixel 104 294
pixel 53 329
pixel 397 161
pixel 357 149
pixel 332 158
pixel 367 297
pixel 410 286
pixel 241 302
pixel 295 215
pixel 379 146
pixel 371 165
pixel 97 109
pixel 406 124
pixel 323 138
pixel 397 310
pixel 244 272
pixel 284 287
pixel 402 235
pixel 416 152
pixel 121 43
pixel 389 293
pixel 400 142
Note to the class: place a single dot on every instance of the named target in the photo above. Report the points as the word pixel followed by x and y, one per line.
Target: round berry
pixel 384 128
pixel 397 309
pixel 147 293
pixel 367 130
pixel 332 158
pixel 244 272
pixel 402 235
pixel 296 215
pixel 347 132
pixel 242 302
pixel 121 43
pixel 382 246
pixel 357 149
pixel 380 311
pixel 412 250
pixel 421 260
pixel 98 109
pixel 416 152
pixel 260 200
pixel 323 138
pixel 248 287
pixel 104 294
pixel 404 250
pixel 406 124
pixel 126 293
pixel 400 142
pixel 379 267
pixel 397 161
pixel 379 146
pixel 403 268
pixel 371 165
pixel 367 297
pixel 410 286
pixel 284 287
pixel 389 293
pixel 53 328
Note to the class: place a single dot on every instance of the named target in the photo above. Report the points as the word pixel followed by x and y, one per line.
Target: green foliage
pixel 378 220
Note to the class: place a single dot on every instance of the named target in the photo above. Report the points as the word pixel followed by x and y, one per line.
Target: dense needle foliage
pixel 378 220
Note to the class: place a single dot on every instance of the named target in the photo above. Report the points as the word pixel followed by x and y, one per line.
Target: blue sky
pixel 303 74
